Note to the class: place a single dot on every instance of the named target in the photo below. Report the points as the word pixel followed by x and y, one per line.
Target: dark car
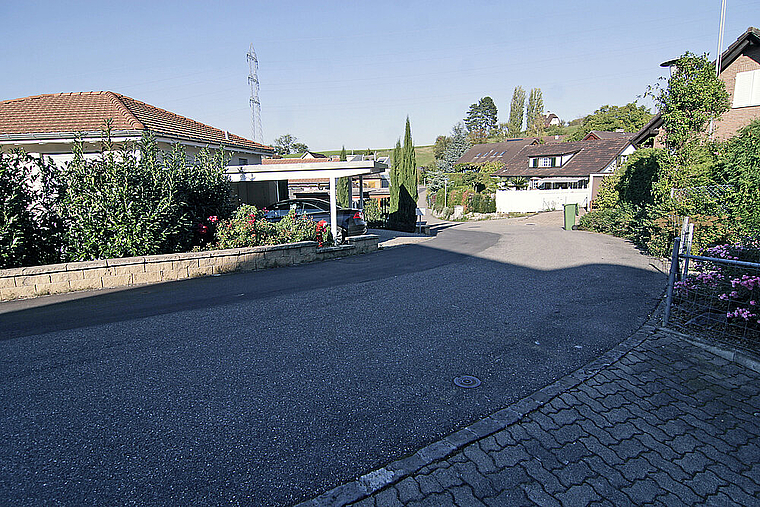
pixel 350 221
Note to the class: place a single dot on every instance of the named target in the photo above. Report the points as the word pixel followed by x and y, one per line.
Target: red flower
pixel 213 219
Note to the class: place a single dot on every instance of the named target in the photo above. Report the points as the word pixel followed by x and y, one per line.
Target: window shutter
pixel 554 161
pixel 747 89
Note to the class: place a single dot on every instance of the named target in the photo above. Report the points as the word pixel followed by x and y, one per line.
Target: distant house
pixel 49 124
pixel 376 186
pixel 602 134
pixel 551 119
pixel 559 173
pixel 740 71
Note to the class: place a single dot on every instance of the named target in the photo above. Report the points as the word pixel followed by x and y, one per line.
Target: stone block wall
pixel 34 281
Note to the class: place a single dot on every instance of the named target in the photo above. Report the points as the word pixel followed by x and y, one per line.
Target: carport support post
pixel 333 207
pixel 361 191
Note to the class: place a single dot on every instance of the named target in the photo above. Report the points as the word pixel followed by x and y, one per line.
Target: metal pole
pixel 719 56
pixel 445 192
pixel 333 208
pixel 671 281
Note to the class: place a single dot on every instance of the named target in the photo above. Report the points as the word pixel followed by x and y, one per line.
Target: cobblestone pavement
pixel 663 423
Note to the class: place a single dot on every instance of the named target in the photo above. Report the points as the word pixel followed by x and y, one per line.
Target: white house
pixel 559 173
pixel 49 124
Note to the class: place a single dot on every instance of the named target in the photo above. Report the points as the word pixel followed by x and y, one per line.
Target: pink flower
pixel 213 219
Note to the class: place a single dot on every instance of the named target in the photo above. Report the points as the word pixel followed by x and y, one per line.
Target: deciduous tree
pixel 516 112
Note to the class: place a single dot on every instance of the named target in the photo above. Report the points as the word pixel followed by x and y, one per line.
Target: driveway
pixel 268 388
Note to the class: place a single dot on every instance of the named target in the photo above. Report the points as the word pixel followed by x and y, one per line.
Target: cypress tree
pixel 395 177
pixel 410 163
pixel 343 188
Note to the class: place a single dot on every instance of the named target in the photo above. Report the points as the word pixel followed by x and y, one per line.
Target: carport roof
pixel 304 170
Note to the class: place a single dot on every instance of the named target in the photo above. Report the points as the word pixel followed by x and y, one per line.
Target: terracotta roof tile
pixel 87 111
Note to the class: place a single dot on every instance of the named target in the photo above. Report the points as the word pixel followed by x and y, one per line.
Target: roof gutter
pixel 55 136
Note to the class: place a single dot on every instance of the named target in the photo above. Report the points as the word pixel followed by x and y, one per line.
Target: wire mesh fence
pixel 717 295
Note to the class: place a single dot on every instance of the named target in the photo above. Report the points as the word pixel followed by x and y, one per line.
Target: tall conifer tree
pixel 343 188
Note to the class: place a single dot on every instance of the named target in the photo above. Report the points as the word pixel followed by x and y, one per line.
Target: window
pixel 747 89
pixel 242 161
pixel 546 162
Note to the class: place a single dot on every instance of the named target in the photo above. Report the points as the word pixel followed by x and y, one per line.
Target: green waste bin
pixel 571 211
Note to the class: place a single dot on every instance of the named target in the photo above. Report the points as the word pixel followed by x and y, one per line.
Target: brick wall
pixel 34 281
pixel 735 119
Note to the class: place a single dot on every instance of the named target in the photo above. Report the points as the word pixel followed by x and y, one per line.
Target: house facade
pixel 740 71
pixel 50 124
pixel 551 175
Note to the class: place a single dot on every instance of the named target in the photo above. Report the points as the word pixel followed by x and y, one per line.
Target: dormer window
pixel 545 162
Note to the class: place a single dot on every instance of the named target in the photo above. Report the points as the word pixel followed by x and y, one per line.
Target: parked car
pixel 350 221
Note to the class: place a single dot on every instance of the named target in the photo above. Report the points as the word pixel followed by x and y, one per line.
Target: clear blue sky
pixel 348 73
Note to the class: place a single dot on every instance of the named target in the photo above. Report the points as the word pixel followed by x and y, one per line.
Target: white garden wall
pixel 529 201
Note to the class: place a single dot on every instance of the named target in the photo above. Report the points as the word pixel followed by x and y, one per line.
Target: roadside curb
pixel 394 472
pixel 742 357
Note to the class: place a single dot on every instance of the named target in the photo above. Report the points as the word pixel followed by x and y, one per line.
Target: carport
pixel 304 170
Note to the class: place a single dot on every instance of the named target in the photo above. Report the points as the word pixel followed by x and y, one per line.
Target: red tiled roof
pixel 69 113
pixel 589 157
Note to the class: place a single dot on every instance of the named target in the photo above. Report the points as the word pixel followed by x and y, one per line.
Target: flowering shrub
pixel 734 291
pixel 249 227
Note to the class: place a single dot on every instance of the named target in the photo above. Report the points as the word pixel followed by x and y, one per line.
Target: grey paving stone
pixel 504 438
pixel 643 491
pixel 738 496
pixel 464 497
pixel 512 497
pixel 659 463
pixel 536 451
pixel 568 433
pixel 574 473
pixel 435 500
pixel 667 483
pixel 408 490
pixel 629 448
pixel 578 495
pixel 548 480
pixel 536 493
pixel 572 452
pixel 367 502
pixel 509 478
pixel 480 485
pixel 706 483
pixel 670 500
pixel 611 474
pixel 635 469
pixel 594 446
pixel 738 479
pixel 447 477
pixel 483 461
pixel 683 444
pixel 510 456
pixel 566 416
pixel 693 462
pixel 388 498
pixel 428 485
pixel 490 444
pixel 605 490
pixel 623 431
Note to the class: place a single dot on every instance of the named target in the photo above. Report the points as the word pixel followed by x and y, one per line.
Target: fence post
pixel 671 280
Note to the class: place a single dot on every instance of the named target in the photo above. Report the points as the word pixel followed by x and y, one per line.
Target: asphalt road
pixel 269 388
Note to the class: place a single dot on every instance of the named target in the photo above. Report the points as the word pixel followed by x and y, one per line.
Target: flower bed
pixel 723 300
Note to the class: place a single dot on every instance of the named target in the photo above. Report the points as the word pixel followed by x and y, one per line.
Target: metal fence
pixel 715 296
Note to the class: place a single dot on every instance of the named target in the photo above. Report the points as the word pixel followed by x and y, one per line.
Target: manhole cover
pixel 466 381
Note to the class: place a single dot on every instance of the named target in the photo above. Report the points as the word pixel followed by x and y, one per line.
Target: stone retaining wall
pixel 72 276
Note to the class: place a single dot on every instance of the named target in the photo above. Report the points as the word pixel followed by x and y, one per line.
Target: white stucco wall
pixel 530 201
